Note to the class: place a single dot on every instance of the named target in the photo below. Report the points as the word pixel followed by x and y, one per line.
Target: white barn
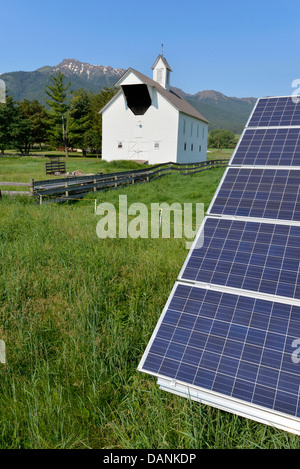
pixel 147 121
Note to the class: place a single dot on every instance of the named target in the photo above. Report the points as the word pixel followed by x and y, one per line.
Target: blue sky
pixel 241 48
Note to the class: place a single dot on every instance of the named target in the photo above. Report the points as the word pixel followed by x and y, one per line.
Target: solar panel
pixel 257 193
pixel 229 334
pixel 281 111
pixel 269 147
pixel 260 257
pixel 229 345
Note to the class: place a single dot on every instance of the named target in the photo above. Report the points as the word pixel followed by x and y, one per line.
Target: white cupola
pixel 161 72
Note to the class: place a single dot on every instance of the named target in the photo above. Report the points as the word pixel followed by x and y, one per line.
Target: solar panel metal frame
pixel 221 401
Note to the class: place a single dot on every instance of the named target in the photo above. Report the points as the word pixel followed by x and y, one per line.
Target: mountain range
pixel 222 111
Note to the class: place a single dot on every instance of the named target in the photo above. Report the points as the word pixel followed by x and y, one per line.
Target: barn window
pixel 197 130
pixel 184 146
pixel 199 147
pixel 156 145
pixel 120 144
pixel 203 132
pixel 138 98
pixel 192 147
pixel 192 125
pixel 184 125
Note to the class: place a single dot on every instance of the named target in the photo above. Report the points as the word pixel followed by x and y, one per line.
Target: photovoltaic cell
pixel 230 344
pixel 260 257
pixel 282 111
pixel 269 147
pixel 259 193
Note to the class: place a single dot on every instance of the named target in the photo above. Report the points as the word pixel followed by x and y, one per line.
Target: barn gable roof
pixel 178 102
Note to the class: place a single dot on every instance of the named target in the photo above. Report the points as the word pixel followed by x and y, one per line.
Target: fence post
pixel 67 192
pixel 116 178
pixel 31 186
pixel 132 175
pixel 95 188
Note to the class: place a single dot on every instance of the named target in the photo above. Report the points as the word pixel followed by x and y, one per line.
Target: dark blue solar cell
pixel 223 384
pixel 228 366
pixel 267 376
pixel 186 372
pixel 264 396
pixel 193 355
pixel 169 367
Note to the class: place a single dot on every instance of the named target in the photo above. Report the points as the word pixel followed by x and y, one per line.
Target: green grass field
pixel 77 313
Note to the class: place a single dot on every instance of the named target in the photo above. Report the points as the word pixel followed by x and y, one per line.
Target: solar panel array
pixel 229 331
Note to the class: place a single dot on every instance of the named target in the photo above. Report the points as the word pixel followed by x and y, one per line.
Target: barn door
pixel 138 150
pixel 132 150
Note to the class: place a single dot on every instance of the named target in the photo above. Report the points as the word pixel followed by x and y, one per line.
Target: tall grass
pixel 77 313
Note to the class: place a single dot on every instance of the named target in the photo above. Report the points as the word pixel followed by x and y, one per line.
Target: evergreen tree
pixel 79 119
pixel 38 115
pixel 59 105
pixel 94 133
pixel 21 131
pixel 7 116
pixel 15 128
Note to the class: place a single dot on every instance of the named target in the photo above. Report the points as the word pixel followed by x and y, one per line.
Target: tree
pixel 79 119
pixel 7 115
pixel 221 138
pixel 21 131
pixel 15 127
pixel 94 133
pixel 59 105
pixel 38 115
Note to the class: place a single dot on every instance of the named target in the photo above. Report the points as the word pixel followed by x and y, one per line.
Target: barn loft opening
pixel 137 97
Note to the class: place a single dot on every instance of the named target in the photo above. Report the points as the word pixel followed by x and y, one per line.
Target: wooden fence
pixel 72 188
pixel 63 189
pixel 17 184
